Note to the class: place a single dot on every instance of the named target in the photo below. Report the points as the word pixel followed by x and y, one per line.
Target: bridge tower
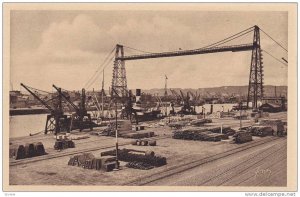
pixel 255 88
pixel 119 80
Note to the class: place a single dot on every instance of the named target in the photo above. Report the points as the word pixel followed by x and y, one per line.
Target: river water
pixel 23 125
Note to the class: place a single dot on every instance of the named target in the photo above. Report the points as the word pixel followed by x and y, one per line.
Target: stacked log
pixel 63 144
pixel 261 131
pixel 139 165
pixel 277 126
pixel 242 137
pixel 206 134
pixel 200 122
pixel 89 161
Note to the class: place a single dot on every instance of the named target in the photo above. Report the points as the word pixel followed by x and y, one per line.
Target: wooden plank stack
pixel 63 144
pixel 242 137
pixel 203 134
pixel 261 131
pixel 89 161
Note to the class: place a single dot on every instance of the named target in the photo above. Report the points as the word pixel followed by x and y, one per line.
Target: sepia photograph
pixel 176 96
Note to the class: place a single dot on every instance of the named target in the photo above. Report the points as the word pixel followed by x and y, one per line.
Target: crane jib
pixel 233 48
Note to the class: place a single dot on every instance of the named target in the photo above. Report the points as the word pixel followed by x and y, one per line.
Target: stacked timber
pixel 200 122
pixel 242 137
pixel 261 131
pixel 63 144
pixel 26 151
pixel 203 134
pixel 276 124
pixel 89 161
pixel 139 165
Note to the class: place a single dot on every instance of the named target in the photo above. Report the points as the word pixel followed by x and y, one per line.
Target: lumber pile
pixel 89 161
pixel 200 122
pixel 61 144
pixel 261 131
pixel 178 124
pixel 139 165
pixel 242 137
pixel 203 134
pixel 277 126
pixel 26 151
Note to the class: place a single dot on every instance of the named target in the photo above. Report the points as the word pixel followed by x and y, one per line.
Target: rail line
pixel 189 165
pixel 261 157
pixel 63 154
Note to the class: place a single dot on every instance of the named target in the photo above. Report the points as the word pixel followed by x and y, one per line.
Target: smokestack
pixel 138 95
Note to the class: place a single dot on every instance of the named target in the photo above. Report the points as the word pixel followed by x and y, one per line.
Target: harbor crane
pixel 78 118
pixel 56 121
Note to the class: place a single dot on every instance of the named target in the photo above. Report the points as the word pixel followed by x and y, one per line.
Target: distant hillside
pixel 269 90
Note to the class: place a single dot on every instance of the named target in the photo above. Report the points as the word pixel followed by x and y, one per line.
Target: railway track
pixel 195 163
pixel 235 170
pixel 63 154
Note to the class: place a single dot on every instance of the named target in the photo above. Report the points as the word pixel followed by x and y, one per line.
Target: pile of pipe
pixel 200 122
pixel 129 155
pixel 144 142
pixel 139 165
pixel 27 151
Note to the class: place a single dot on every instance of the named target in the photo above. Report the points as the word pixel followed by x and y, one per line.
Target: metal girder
pixel 233 48
pixel 255 88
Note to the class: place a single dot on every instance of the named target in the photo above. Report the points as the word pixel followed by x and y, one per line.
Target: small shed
pixel 270 107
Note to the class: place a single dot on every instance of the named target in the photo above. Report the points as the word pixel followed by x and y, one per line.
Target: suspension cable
pixel 88 85
pixel 100 67
pixel 274 57
pixel 136 49
pixel 232 39
pixel 246 30
pixel 274 40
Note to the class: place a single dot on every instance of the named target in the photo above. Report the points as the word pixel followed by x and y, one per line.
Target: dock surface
pixel 261 162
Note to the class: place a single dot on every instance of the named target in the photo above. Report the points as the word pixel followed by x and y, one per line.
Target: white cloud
pixel 73 49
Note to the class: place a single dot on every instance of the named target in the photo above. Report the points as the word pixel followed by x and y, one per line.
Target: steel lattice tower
pixel 119 80
pixel 255 88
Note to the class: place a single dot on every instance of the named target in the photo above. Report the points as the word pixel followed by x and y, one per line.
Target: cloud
pixel 72 49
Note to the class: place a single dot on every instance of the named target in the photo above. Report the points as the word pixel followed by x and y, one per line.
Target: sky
pixel 66 48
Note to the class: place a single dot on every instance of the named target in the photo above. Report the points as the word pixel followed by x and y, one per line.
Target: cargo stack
pixel 26 151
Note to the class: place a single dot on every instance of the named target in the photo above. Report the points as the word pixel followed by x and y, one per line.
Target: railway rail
pixel 63 154
pixel 192 164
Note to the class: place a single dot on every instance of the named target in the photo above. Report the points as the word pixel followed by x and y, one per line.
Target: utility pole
pixel 166 80
pixel 102 91
pixel 241 115
pixel 117 146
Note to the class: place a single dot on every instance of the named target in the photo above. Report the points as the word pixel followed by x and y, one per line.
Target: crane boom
pixel 232 48
pixel 38 98
pixel 66 98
